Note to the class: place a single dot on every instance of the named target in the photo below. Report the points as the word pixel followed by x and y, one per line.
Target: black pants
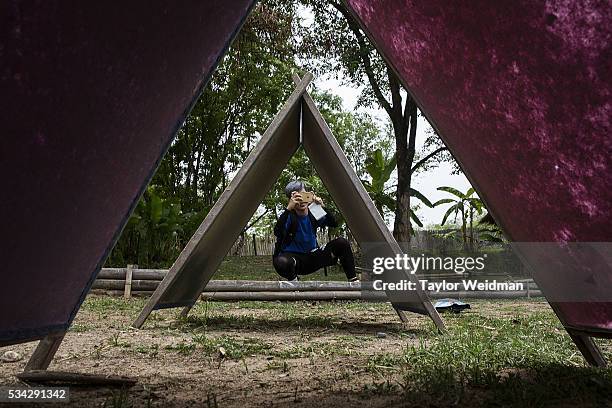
pixel 291 264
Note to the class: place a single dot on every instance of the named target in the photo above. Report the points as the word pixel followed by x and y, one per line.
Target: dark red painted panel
pixel 91 95
pixel 520 93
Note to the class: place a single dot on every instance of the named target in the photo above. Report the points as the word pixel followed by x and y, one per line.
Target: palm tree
pixel 380 168
pixel 466 205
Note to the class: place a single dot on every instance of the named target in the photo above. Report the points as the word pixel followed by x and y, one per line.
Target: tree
pixel 466 205
pixel 489 231
pixel 153 234
pixel 379 169
pixel 244 93
pixel 356 132
pixel 335 42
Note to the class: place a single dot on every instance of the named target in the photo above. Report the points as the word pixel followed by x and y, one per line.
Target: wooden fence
pixel 251 244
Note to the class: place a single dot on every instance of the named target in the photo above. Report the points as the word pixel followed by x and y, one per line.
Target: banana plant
pixel 488 230
pixel 466 205
pixel 152 234
pixel 379 169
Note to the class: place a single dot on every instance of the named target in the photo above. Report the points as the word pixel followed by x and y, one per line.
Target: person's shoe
pixel 353 280
pixel 293 280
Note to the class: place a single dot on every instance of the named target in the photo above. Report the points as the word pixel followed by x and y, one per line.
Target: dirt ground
pixel 242 354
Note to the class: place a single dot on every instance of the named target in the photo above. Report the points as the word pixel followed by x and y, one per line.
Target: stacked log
pixel 144 281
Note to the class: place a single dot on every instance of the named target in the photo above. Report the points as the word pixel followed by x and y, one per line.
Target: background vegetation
pixel 246 91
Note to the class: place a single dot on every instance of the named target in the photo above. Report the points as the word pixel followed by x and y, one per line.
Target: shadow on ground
pixel 350 326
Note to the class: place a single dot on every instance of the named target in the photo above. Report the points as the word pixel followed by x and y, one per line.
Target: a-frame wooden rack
pixel 299 122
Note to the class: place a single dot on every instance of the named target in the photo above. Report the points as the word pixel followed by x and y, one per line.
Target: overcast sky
pixel 426 182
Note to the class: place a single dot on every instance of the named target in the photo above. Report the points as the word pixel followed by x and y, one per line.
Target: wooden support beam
pixel 46 349
pixel 401 314
pixel 353 201
pixel 215 236
pixel 57 378
pixel 115 288
pixel 591 353
pixel 185 311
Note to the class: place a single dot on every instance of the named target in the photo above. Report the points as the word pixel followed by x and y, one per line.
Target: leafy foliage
pixel 489 231
pixel 153 233
pixel 467 206
pixel 334 43
pixel 357 134
pixel 379 169
pixel 245 92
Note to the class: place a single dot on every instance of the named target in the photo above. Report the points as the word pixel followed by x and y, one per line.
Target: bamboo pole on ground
pixel 145 281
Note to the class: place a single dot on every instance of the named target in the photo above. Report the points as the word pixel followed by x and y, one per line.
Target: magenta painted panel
pixel 520 93
pixel 91 95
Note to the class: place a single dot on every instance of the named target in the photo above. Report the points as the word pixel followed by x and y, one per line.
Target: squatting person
pixel 296 251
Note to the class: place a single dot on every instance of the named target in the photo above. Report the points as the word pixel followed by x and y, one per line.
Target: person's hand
pixel 317 200
pixel 296 198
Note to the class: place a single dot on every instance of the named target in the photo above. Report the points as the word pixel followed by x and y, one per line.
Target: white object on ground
pixel 11 357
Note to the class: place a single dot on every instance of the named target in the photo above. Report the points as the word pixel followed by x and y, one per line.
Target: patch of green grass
pixel 115 341
pixel 194 322
pixel 385 387
pixel 182 348
pixel 522 361
pixel 260 268
pixel 235 348
pixel 385 361
pixel 151 351
pixel 247 267
pixel 281 365
pixel 295 307
pixel 282 315
pixel 296 351
pixel 79 328
pixel 325 349
pixel 211 306
pixel 105 304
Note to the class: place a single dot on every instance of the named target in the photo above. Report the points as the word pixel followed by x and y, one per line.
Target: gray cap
pixel 295 185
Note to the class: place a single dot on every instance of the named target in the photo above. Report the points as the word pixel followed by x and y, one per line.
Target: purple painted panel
pixel 92 94
pixel 520 93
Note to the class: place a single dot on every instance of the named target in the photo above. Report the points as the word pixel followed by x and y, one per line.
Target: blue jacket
pixel 285 234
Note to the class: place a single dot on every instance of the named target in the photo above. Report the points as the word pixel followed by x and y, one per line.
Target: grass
pixel 291 316
pixel 324 349
pixel 235 348
pixel 105 304
pixel 524 361
pixel 80 328
pixel 151 351
pixel 260 268
pixel 115 341
pixel 182 348
pixel 501 353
